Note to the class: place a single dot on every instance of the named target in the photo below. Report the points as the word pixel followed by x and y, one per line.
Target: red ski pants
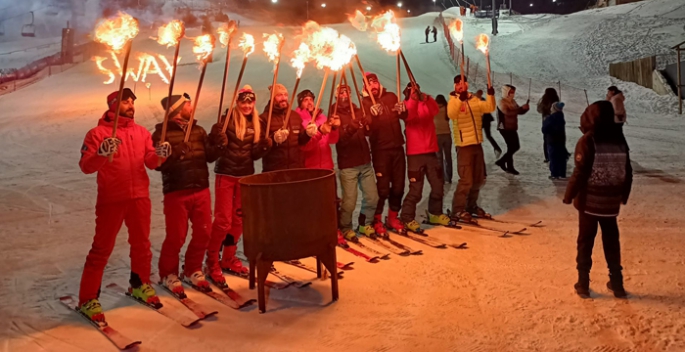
pixel 179 207
pixel 108 220
pixel 228 216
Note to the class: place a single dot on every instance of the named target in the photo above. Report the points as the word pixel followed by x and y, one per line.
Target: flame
pixel 457 30
pixel 225 32
pixel 147 64
pixel 170 33
pixel 247 44
pixel 388 32
pixel 204 45
pixel 482 43
pixel 272 45
pixel 358 20
pixel 328 48
pixel 117 31
pixel 301 56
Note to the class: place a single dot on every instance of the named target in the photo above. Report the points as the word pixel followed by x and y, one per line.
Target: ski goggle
pixel 247 97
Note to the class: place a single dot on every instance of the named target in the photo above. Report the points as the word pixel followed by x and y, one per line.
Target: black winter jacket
pixel 192 171
pixel 386 131
pixel 287 155
pixel 352 147
pixel 554 129
pixel 237 157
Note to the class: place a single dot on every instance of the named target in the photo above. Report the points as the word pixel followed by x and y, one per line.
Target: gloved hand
pixel 109 146
pixel 491 91
pixel 281 136
pixel 163 150
pixel 218 136
pixel 376 109
pixel 464 96
pixel 181 150
pixel 311 129
pixel 326 128
pixel 265 143
pixel 335 121
pixel 400 107
pixel 567 201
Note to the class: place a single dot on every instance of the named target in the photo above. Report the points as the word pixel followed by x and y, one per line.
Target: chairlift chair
pixel 29 30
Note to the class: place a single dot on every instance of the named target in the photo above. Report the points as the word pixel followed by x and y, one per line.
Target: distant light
pixel 323 5
pixel 368 8
pixel 399 4
pixel 433 0
pixel 531 5
pixel 274 1
pixel 408 11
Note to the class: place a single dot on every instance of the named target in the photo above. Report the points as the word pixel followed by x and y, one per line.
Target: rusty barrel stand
pixel 288 215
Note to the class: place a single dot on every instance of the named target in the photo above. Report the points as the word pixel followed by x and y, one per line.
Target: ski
pixel 384 256
pixel 346 247
pixel 535 224
pixel 400 245
pixel 171 313
pixel 122 342
pixel 288 279
pixel 345 266
pixel 238 301
pixel 301 265
pixel 423 238
pixel 459 246
pixel 376 241
pixel 270 284
pixel 194 307
pixel 504 233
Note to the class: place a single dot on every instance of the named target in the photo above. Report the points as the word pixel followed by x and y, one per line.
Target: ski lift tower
pixel 679 76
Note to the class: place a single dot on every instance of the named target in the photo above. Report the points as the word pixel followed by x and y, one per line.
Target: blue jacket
pixel 554 129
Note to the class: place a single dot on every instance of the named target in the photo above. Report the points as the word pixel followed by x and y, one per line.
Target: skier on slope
pixel 286 152
pixel 422 160
pixel 323 132
pixel 185 180
pixel 239 147
pixel 507 124
pixel 387 151
pixel 466 112
pixel 601 182
pixel 354 162
pixel 123 196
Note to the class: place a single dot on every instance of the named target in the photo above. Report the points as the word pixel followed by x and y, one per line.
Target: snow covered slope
pixel 510 294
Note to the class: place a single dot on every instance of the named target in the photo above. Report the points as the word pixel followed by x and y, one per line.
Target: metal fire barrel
pixel 287 215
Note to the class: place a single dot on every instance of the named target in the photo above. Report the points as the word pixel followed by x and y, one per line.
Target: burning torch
pixel 457 32
pixel 388 36
pixel 117 33
pixel 169 34
pixel 203 48
pixel 482 44
pixel 300 57
pixel 272 47
pixel 226 32
pixel 247 45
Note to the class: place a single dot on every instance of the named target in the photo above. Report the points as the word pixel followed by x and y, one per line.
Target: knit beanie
pixel 370 76
pixel 176 102
pixel 457 79
pixel 279 89
pixel 407 90
pixel 112 97
pixel 558 106
pixel 303 94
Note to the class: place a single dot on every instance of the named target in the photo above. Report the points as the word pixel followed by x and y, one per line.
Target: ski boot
pixel 480 213
pixel 146 293
pixel 441 220
pixel 230 264
pixel 198 281
pixel 215 275
pixel 615 285
pixel 378 226
pixel 463 216
pixel 367 230
pixel 341 240
pixel 93 310
pixel 582 287
pixel 350 235
pixel 173 284
pixel 394 224
pixel 413 226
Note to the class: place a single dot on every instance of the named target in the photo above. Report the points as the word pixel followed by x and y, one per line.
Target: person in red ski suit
pixel 422 159
pixel 185 179
pixel 123 197
pixel 323 132
pixel 387 150
pixel 239 147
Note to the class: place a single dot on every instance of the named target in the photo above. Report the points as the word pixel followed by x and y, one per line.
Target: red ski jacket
pixel 125 177
pixel 419 126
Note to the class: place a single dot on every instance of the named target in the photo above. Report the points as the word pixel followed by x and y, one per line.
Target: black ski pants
pixel 419 167
pixel 511 138
pixel 445 154
pixel 471 169
pixel 586 240
pixel 390 166
pixel 491 139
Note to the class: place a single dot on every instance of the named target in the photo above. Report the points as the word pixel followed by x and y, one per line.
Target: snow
pixel 510 294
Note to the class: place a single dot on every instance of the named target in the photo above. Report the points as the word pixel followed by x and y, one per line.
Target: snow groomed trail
pixel 502 294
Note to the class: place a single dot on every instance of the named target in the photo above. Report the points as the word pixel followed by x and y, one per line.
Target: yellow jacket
pixel 467 124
